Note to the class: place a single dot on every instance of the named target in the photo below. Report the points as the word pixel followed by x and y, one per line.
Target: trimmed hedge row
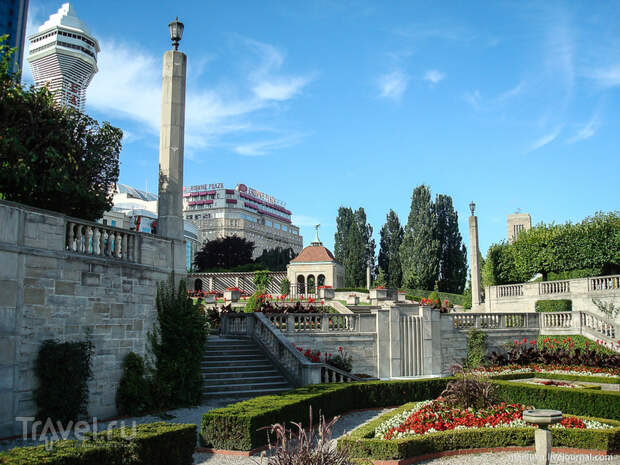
pixel 584 378
pixel 236 426
pixel 587 402
pixel 362 444
pixel 561 305
pixel 153 444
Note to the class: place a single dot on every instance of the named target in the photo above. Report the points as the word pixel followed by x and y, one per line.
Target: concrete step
pixel 235 363
pixel 236 368
pixel 232 357
pixel 267 372
pixel 245 386
pixel 244 351
pixel 254 381
pixel 245 393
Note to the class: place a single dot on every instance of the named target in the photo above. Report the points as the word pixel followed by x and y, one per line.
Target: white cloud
pixel 393 85
pixel 305 220
pixel 214 115
pixel 266 146
pixel 546 139
pixel 473 98
pixel 434 76
pixel 606 77
pixel 586 131
pixel 516 90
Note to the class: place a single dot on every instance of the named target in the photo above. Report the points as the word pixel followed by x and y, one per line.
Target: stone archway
pixel 198 284
pixel 320 280
pixel 311 284
pixel 301 284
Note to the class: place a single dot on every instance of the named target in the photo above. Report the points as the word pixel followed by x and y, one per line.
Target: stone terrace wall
pixel 48 291
pixel 361 346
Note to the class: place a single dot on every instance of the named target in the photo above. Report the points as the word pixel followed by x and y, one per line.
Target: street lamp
pixel 472 207
pixel 176 32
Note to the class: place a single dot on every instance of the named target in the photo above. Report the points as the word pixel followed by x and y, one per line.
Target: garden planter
pixel 353 300
pixel 401 296
pixel 210 299
pixel 379 294
pixel 326 293
pixel 232 295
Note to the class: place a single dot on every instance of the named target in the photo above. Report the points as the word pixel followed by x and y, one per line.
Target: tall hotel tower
pixel 63 56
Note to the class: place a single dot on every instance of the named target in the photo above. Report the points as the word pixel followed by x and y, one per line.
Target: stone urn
pixel 379 293
pixel 326 292
pixel 353 300
pixel 401 296
pixel 210 299
pixel 232 295
pixel 542 436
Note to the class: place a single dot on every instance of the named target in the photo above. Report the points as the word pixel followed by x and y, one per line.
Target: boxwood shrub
pixel 237 426
pixel 587 402
pixel 561 376
pixel 153 444
pixel 561 305
pixel 362 444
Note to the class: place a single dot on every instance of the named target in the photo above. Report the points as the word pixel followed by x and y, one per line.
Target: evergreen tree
pixel 389 253
pixel 343 224
pixel 224 252
pixel 419 251
pixel 452 252
pixel 354 246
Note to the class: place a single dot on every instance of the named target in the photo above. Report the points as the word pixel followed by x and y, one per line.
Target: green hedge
pixel 561 305
pixel 458 299
pixel 236 426
pixel 587 402
pixel 361 442
pixel 153 444
pixel 351 289
pixel 585 379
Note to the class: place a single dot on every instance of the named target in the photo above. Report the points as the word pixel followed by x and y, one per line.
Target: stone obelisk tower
pixel 474 262
pixel 171 144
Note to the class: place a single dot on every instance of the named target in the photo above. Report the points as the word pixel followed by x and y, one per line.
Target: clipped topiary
pixel 134 393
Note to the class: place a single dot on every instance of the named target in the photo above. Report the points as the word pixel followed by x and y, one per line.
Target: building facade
pixel 516 223
pixel 13 19
pixel 243 212
pixel 63 56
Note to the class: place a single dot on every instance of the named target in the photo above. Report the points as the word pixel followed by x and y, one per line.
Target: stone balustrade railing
pixel 494 320
pixel 523 297
pixel 88 238
pixel 557 320
pixel 314 322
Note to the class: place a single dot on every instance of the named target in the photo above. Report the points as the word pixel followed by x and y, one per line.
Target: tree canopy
pixel 224 252
pixel 276 259
pixel 588 248
pixel 354 246
pixel 389 254
pixel 53 157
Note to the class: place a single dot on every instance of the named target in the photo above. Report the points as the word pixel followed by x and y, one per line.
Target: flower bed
pixel 562 384
pixel 437 415
pixel 440 428
pixel 342 360
pixel 606 373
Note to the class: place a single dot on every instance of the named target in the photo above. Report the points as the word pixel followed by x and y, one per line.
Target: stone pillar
pixel 474 264
pixel 383 342
pixel 171 145
pixel 368 277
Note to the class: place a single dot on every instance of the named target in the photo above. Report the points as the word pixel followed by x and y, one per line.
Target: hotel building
pixel 243 212
pixel 63 56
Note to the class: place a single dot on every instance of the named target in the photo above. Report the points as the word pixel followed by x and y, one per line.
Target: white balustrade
pixel 604 283
pixel 510 290
pixel 100 241
pixel 556 320
pixel 554 287
pixel 314 322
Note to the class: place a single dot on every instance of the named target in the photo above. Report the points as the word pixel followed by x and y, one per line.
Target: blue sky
pixel 515 105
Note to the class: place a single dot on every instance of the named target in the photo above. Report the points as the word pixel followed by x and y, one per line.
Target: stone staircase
pixel 237 368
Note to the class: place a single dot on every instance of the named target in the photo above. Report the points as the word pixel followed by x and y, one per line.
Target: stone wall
pixel 49 289
pixel 361 346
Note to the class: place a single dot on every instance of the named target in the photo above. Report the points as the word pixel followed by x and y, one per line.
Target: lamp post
pixel 171 149
pixel 176 32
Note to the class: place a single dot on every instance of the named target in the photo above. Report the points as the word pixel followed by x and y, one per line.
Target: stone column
pixel 171 145
pixel 473 262
pixel 368 277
